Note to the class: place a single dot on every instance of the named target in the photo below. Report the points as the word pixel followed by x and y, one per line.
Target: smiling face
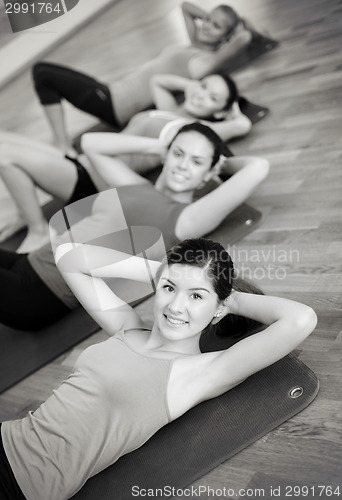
pixel 185 301
pixel 187 162
pixel 215 28
pixel 206 97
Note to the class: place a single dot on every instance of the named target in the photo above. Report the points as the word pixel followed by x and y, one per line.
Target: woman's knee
pixel 43 78
pixel 42 70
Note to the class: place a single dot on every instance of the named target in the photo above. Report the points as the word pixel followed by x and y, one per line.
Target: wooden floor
pixel 297 251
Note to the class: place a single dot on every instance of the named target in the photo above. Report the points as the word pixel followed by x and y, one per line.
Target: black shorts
pixel 26 301
pixel 9 488
pixel 84 185
pixel 54 82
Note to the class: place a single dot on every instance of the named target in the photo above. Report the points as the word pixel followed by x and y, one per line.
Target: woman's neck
pixel 157 342
pixel 181 111
pixel 180 197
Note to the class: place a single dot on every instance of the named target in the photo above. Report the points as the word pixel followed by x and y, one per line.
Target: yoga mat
pixel 209 434
pixel 259 45
pixel 253 111
pixel 237 225
pixel 24 352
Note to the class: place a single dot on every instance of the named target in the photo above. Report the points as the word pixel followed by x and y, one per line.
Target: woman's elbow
pixel 264 167
pixel 87 142
pixel 243 126
pixel 247 38
pixel 261 168
pixel 302 323
pixel 198 69
pixel 307 321
pixel 243 39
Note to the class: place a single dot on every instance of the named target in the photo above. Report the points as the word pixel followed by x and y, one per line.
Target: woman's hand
pixel 163 88
pixel 206 63
pixel 231 302
pixel 191 14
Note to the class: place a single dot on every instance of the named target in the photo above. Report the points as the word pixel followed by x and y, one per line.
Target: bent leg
pixel 22 168
pixel 114 171
pixel 46 166
pixel 54 82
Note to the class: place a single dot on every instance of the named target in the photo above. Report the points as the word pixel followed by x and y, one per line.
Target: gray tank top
pixel 112 403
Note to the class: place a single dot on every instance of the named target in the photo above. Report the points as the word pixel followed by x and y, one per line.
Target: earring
pixel 217 315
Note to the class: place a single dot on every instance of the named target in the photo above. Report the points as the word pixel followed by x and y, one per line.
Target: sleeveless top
pixel 132 93
pixel 141 205
pixel 152 123
pixel 113 402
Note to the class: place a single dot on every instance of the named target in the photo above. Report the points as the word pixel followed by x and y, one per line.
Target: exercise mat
pixel 209 434
pixel 24 352
pixel 260 44
pixel 254 112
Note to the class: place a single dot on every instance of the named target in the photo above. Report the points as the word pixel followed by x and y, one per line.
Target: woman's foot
pixel 11 228
pixel 35 239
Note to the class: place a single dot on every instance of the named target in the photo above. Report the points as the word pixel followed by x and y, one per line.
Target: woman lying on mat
pixel 213 100
pixel 125 389
pixel 37 296
pixel 215 37
pixel 25 163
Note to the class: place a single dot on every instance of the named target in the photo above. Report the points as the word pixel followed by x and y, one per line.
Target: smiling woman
pixel 196 278
pixel 217 27
pixel 210 98
pixel 195 155
pixel 188 163
pixel 124 390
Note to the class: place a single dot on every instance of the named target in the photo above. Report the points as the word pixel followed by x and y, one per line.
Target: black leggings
pixel 26 302
pixel 9 488
pixel 54 82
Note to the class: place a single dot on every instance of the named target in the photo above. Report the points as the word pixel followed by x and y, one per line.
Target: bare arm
pixel 210 62
pixel 104 149
pixel 162 89
pixel 204 215
pixel 111 143
pixel 191 13
pixel 208 375
pixel 235 124
pixel 84 266
pixel 289 323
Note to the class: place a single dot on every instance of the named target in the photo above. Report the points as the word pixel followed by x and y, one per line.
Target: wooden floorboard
pixel 301 201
